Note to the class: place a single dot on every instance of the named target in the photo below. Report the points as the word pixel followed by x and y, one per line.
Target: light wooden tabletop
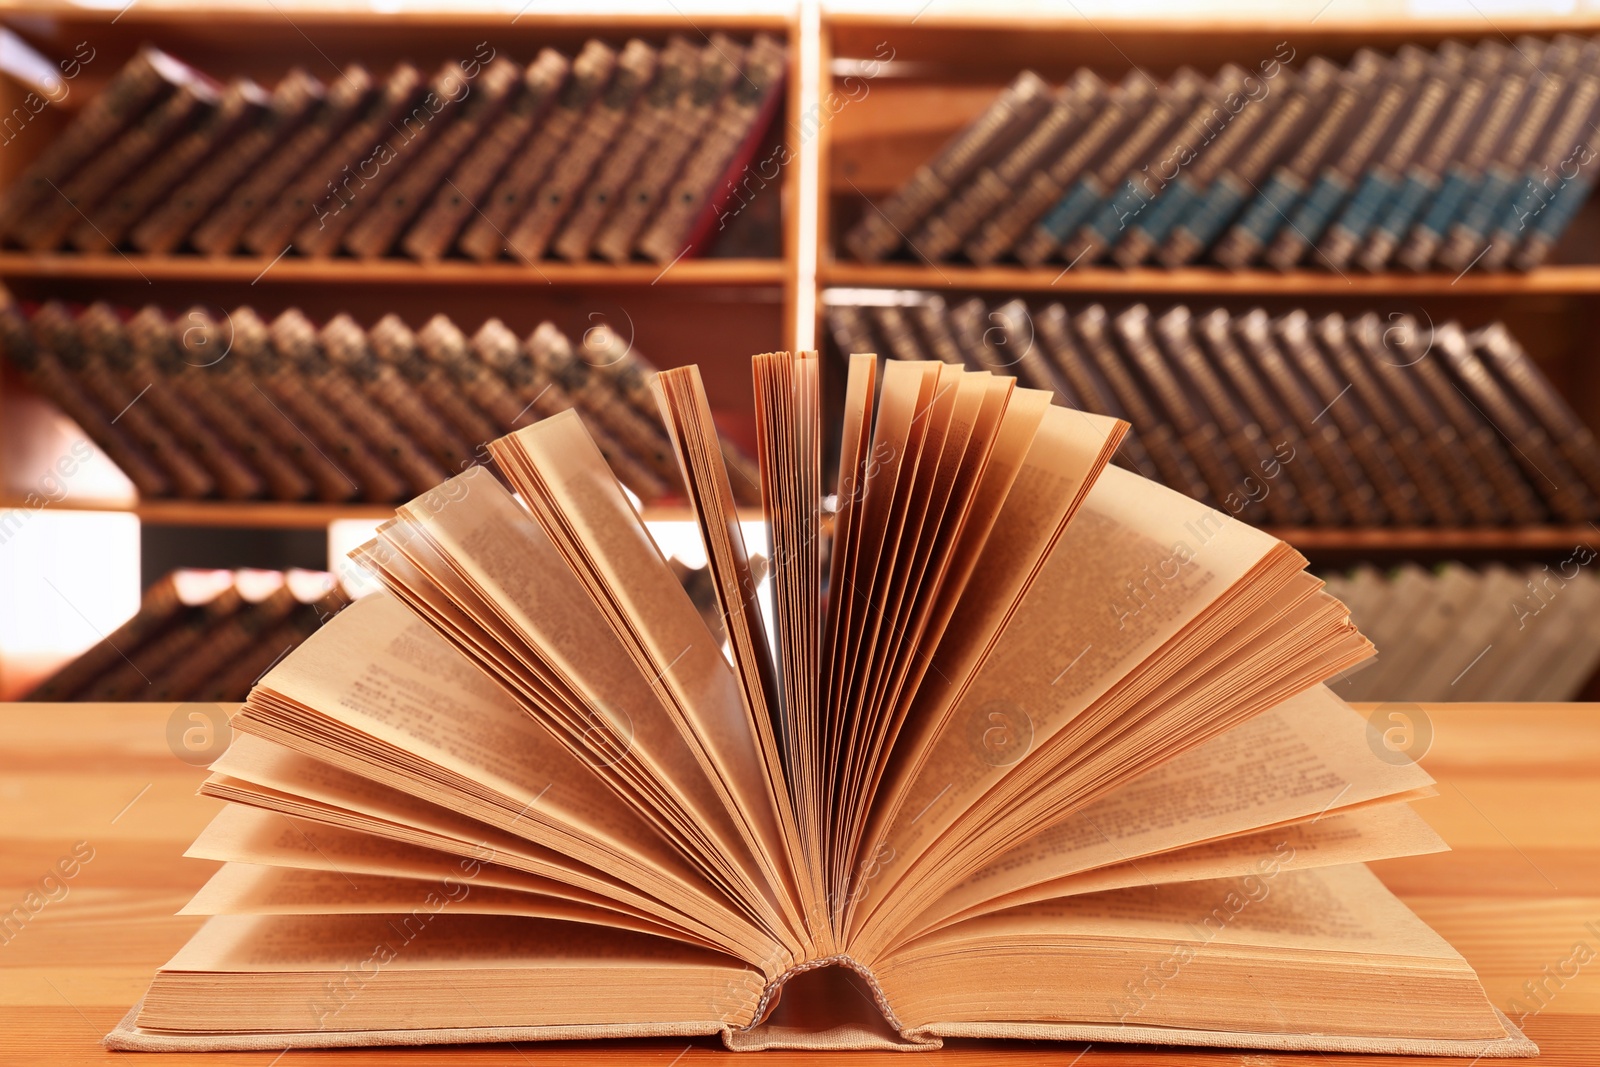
pixel 1519 802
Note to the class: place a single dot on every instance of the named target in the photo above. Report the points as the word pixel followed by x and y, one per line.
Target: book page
pixel 1137 564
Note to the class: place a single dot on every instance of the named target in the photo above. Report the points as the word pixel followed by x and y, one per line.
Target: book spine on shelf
pixel 159 608
pixel 138 350
pixel 393 343
pixel 485 237
pixel 330 182
pixel 1284 187
pixel 444 346
pixel 1509 363
pixel 1093 192
pixel 232 636
pixel 1115 110
pixel 711 176
pixel 1220 194
pixel 1468 241
pixel 45 373
pixel 134 89
pixel 1091 392
pixel 880 231
pixel 899 334
pixel 531 233
pixel 1379 124
pixel 1402 439
pixel 169 225
pixel 432 234
pixel 43 228
pixel 1379 185
pixel 79 350
pixel 473 105
pixel 1240 433
pixel 640 139
pixel 186 356
pixel 1215 332
pixel 931 319
pixel 1462 176
pixel 719 66
pixel 1342 408
pixel 390 151
pixel 942 235
pixel 1422 180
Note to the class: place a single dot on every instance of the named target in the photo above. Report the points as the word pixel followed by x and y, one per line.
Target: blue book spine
pixel 1454 191
pixel 1063 220
pixel 1553 221
pixel 1175 201
pixel 1489 201
pixel 1313 213
pixel 1215 209
pixel 1374 194
pixel 1271 206
pixel 1414 191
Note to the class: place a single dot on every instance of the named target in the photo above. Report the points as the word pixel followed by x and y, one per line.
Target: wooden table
pixel 1519 801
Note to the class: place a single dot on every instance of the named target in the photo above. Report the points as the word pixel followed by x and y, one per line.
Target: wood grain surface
pixel 1519 801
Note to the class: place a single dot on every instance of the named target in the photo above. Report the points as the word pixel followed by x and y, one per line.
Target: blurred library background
pixel 270 269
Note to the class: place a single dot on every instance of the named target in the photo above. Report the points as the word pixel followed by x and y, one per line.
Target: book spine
pixel 98 378
pixel 319 411
pixel 347 348
pixel 1469 234
pixel 1421 181
pixel 1343 409
pixel 1337 180
pixel 1461 177
pixel 131 91
pixel 718 67
pixel 389 154
pixel 446 347
pixel 485 237
pixel 375 232
pixel 192 345
pixel 1241 434
pixel 45 374
pixel 1281 193
pixel 1562 149
pixel 1176 468
pixel 233 379
pixel 318 195
pixel 1198 438
pixel 106 227
pixel 456 200
pixel 1089 392
pixel 1543 467
pixel 1217 336
pixel 1094 192
pixel 1404 439
pixel 1043 188
pixel 707 181
pixel 878 234
pixel 651 118
pixel 221 231
pixel 1509 363
pixel 394 343
pixel 166 228
pixel 229 639
pixel 932 324
pixel 139 351
pixel 901 336
pixel 43 229
pixel 851 333
pixel 945 231
pixel 1220 196
pixel 553 199
pixel 1379 186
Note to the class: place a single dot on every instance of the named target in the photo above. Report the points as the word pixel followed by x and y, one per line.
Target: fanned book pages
pixel 1036 749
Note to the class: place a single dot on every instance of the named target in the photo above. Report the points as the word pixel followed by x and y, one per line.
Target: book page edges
pixel 128 1037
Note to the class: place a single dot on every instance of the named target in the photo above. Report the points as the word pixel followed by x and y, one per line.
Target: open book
pixel 1013 744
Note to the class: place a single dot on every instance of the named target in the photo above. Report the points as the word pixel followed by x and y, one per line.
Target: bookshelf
pixel 859 128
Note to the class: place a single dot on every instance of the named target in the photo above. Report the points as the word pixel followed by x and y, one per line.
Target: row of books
pixel 610 153
pixel 200 636
pixel 1499 632
pixel 198 405
pixel 1286 420
pixel 1455 159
